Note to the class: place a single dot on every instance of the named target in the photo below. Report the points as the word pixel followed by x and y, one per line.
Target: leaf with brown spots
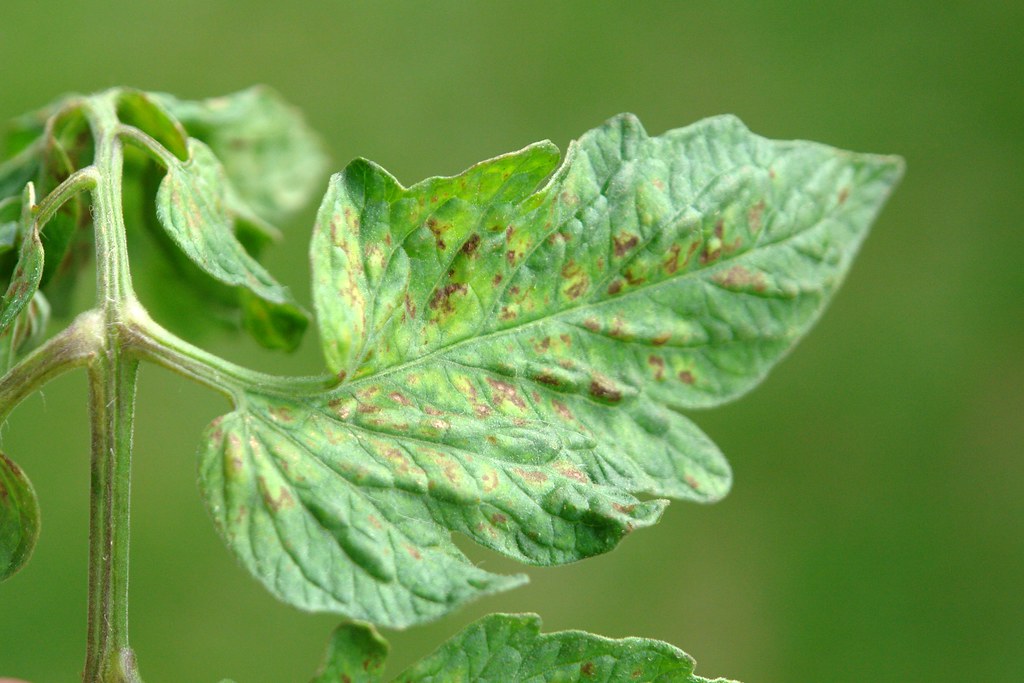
pixel 356 654
pixel 489 372
pixel 507 648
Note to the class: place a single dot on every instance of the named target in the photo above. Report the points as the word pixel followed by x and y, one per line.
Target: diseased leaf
pixel 513 361
pixel 195 208
pixel 509 648
pixel 356 654
pixel 19 518
pixel 269 152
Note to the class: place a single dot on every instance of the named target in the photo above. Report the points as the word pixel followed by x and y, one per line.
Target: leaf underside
pixel 509 648
pixel 514 359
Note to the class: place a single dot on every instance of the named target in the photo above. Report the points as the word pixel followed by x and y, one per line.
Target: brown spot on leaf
pixel 623 242
pixel 588 669
pixel 602 388
pixel 624 509
pixel 410 307
pixel 578 288
pixel 844 194
pixel 503 391
pixel 739 277
pixel 755 216
pixel 548 379
pixel 497 279
pixel 490 481
pixel 592 324
pixel 691 482
pixel 615 287
pixel 282 414
pixel 442 297
pixel 416 556
pixel 532 476
pixel 507 313
pixel 431 410
pixel 686 377
pixel 510 256
pixel 561 409
pixel 471 245
pixel 498 518
pixel 566 339
pixel 711 252
pixel 575 475
pixel 634 279
pixel 661 339
pixel 399 398
pixel 509 231
pixel 283 501
pixel 368 408
pixel 657 363
pixel 436 230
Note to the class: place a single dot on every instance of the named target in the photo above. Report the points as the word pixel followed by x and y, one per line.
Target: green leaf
pixel 147 113
pixel 269 152
pixel 28 328
pixel 513 362
pixel 50 145
pixel 19 518
pixel 509 648
pixel 29 269
pixel 356 654
pixel 195 208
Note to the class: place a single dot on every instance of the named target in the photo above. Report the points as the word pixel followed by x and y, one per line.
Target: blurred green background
pixel 876 526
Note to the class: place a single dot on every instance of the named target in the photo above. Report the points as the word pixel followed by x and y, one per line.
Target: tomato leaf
pixel 195 208
pixel 269 152
pixel 510 647
pixel 514 359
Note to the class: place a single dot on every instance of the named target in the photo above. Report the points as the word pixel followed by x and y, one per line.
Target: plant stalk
pixel 112 379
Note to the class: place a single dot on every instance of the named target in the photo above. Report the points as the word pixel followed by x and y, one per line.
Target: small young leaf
pixel 194 206
pixel 29 269
pixel 509 648
pixel 19 518
pixel 27 329
pixel 356 654
pixel 269 152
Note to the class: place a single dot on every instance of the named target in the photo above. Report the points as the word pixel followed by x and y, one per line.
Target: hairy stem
pixel 112 378
pixel 112 392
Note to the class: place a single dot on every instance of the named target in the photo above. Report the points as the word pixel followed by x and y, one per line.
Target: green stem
pixel 112 375
pixel 76 345
pixel 148 340
pixel 112 392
